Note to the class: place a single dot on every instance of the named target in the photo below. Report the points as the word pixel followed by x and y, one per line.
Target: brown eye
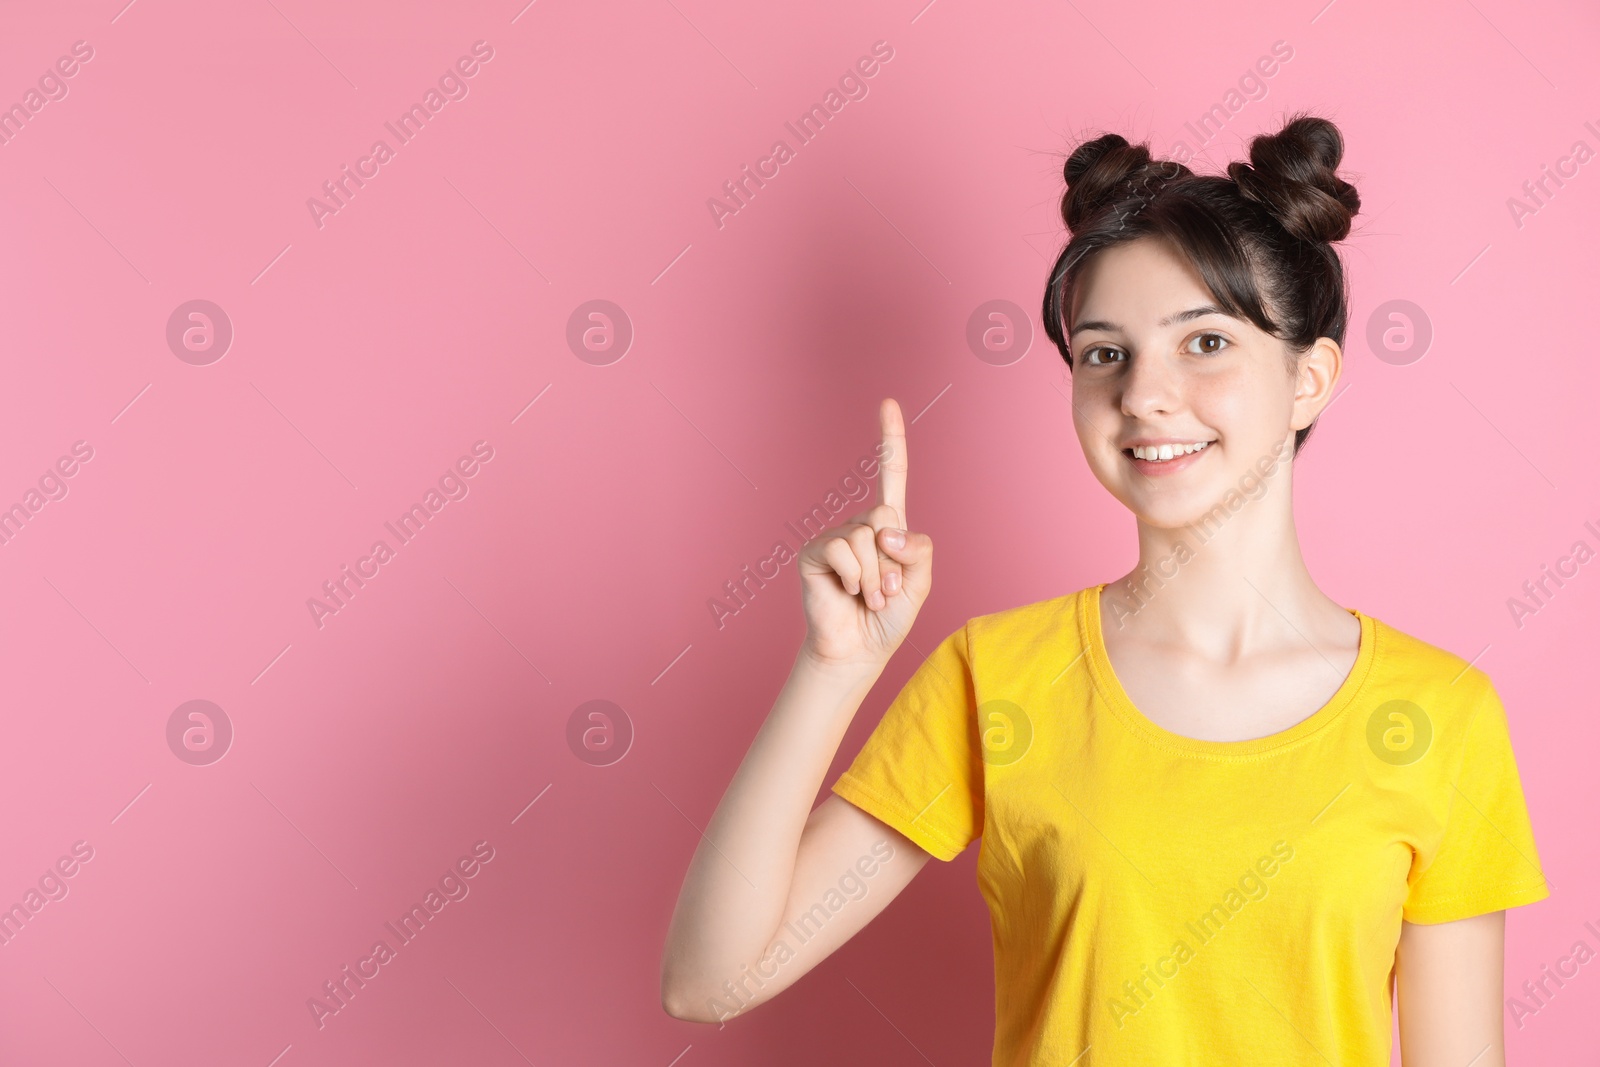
pixel 1091 357
pixel 1207 349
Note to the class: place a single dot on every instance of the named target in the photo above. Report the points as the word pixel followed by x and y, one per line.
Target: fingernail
pixel 894 538
pixel 891 583
pixel 875 600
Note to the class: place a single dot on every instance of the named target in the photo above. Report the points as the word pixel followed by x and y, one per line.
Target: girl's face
pixel 1154 363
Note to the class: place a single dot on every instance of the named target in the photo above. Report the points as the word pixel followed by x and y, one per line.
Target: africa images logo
pixel 1399 732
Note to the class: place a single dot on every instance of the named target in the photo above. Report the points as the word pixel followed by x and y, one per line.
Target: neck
pixel 1233 581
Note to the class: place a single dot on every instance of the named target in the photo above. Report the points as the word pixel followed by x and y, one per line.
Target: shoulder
pixel 1406 656
pixel 1449 688
pixel 1040 627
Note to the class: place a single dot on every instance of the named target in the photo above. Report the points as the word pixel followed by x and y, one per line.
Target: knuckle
pixel 838 534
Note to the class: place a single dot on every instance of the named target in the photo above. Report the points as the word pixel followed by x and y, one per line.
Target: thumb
pixel 912 550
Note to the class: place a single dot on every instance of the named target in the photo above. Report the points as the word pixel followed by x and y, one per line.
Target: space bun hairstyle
pixel 1261 237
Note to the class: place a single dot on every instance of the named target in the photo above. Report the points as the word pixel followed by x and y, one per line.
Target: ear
pixel 1316 374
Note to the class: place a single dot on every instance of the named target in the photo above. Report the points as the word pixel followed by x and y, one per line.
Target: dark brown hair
pixel 1261 237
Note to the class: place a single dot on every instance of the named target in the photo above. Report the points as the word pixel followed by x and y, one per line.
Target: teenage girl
pixel 1223 819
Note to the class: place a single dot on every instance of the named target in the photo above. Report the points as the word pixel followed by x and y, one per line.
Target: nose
pixel 1150 387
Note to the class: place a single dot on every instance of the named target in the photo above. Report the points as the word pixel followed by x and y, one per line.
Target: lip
pixel 1160 469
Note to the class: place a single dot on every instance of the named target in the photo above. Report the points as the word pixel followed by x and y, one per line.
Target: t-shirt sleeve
pixel 921 770
pixel 1486 860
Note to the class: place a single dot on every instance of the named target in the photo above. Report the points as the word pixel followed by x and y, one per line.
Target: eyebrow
pixel 1171 320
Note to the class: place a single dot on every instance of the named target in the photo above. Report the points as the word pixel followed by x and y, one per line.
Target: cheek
pixel 1244 405
pixel 1096 422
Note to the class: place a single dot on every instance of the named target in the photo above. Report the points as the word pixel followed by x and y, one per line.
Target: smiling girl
pixel 1222 818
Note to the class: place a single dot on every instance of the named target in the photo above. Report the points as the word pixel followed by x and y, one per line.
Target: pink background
pixel 371 352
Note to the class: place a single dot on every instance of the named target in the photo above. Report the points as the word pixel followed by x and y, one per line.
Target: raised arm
pixel 746 925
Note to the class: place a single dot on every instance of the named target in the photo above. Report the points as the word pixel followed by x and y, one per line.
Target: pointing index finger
pixel 892 458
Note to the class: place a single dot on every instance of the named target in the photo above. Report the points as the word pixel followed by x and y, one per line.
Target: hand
pixel 862 583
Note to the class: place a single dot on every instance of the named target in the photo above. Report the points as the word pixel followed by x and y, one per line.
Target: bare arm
pixel 1451 981
pixel 767 857
pixel 740 932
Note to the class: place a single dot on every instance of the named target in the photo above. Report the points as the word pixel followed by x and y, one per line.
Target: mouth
pixel 1152 465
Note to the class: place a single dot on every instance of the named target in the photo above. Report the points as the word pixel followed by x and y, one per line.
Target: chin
pixel 1169 516
pixel 1170 509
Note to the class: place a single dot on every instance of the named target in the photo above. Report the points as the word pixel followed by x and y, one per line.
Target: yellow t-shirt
pixel 1157 899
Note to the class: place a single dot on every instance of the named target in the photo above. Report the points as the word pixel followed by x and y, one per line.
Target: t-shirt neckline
pixel 1110 688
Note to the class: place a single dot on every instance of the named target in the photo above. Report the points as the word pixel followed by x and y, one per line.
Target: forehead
pixel 1138 283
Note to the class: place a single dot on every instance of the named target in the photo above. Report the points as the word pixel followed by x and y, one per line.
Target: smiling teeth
pixel 1161 453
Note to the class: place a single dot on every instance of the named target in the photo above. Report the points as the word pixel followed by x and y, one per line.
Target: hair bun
pixel 1292 174
pixel 1094 172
